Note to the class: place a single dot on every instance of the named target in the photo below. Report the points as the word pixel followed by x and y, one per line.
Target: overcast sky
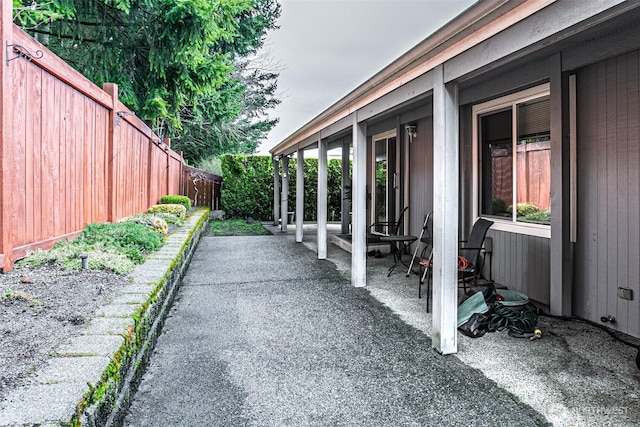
pixel 326 48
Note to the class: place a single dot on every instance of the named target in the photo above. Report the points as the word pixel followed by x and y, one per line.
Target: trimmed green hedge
pixel 247 189
pixel 176 200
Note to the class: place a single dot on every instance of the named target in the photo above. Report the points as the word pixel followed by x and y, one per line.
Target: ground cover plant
pixel 237 227
pixel 48 297
pixel 118 247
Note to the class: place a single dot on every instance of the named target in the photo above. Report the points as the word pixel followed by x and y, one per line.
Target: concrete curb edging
pixel 91 379
pixel 163 272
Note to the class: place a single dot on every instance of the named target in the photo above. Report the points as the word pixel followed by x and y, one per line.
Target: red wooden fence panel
pixel 72 154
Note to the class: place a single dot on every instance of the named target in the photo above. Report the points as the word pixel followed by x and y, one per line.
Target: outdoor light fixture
pixel 411 132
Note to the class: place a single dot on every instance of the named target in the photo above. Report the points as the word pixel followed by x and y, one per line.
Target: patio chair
pixel 425 237
pixel 391 228
pixel 470 260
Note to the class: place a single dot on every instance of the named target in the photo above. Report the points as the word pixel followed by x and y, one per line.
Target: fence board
pixel 73 165
pixel 202 187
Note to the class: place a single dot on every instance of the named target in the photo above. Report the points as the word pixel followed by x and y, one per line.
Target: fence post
pixel 167 142
pixel 7 171
pixel 111 89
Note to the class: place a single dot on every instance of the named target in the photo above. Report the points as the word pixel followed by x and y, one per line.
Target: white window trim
pixel 383 135
pixel 510 226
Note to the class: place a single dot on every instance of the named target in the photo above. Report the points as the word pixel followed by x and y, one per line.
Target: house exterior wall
pixel 607 253
pixel 520 262
pixel 421 175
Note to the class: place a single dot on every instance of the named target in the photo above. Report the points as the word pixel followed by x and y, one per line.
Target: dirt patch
pixel 41 309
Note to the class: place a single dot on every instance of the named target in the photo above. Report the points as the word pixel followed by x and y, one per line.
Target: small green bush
pixel 117 247
pixel 156 223
pixel 135 240
pixel 211 165
pixel 524 209
pixel 179 210
pixel 539 216
pixel 176 200
pixel 170 218
pixel 498 205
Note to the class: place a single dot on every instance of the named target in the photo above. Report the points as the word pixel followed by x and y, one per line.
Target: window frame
pixel 497 104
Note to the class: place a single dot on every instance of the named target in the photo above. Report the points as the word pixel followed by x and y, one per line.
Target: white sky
pixel 326 48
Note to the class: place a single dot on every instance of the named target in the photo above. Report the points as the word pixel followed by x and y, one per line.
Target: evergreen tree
pixel 180 65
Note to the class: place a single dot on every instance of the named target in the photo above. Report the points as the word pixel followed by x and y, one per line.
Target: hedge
pixel 247 189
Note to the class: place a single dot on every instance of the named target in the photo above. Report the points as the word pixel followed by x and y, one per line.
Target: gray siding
pixel 521 263
pixel 607 251
pixel 421 175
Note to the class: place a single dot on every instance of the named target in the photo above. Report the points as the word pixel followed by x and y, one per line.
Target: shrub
pixel 156 223
pixel 170 218
pixel 524 209
pixel 117 247
pixel 135 240
pixel 179 210
pixel 247 190
pixel 176 200
pixel 539 216
pixel 211 165
pixel 498 205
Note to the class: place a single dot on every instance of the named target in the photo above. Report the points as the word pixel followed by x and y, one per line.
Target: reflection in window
pixel 525 150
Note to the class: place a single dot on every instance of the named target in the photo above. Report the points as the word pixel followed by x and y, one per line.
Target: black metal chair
pixel 470 260
pixel 390 227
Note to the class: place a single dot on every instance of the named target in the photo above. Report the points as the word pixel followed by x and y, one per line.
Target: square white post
pixel 445 214
pixel 285 193
pixel 359 205
pixel 322 199
pixel 276 191
pixel 299 195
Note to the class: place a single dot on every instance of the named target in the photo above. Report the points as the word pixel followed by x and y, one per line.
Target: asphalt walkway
pixel 264 334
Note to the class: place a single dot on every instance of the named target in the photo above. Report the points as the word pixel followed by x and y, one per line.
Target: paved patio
pixel 575 375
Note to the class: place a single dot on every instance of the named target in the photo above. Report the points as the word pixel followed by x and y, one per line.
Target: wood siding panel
pixel 606 251
pixel 521 263
pixel 421 175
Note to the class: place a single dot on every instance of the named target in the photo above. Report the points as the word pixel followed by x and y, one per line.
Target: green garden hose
pixel 519 322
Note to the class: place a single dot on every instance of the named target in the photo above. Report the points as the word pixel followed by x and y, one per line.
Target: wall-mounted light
pixel 411 132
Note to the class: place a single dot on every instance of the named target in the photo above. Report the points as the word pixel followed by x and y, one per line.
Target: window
pixel 512 151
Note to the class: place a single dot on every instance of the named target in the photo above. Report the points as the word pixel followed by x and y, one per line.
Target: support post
pixel 299 195
pixel 322 199
pixel 446 215
pixel 7 170
pixel 285 194
pixel 345 216
pixel 111 89
pixel 561 261
pixel 359 205
pixel 276 191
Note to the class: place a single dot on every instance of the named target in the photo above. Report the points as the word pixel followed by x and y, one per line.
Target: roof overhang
pixel 410 77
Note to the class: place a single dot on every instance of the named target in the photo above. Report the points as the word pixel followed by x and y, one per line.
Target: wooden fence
pixel 533 166
pixel 201 187
pixel 71 154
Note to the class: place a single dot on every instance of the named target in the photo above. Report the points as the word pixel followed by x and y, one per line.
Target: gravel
pixel 42 308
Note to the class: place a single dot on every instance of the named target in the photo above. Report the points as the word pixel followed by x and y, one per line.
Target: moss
pixel 103 395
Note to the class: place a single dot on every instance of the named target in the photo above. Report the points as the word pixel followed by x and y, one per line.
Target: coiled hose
pixel 516 320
